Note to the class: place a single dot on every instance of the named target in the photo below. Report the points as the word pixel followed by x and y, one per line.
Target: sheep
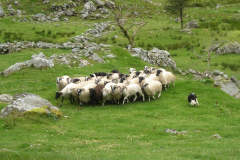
pixel 116 93
pixel 135 81
pixel 72 90
pixel 151 88
pixel 132 70
pixel 98 74
pixel 96 94
pixel 64 94
pixel 143 80
pixel 84 94
pixel 115 71
pixel 166 77
pixel 106 91
pixel 162 78
pixel 62 82
pixel 116 90
pixel 112 76
pixel 170 78
pixel 81 79
pixel 131 90
pixel 192 98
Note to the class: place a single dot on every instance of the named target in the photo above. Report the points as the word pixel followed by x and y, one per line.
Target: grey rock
pixel 216 136
pixel 1 11
pixel 186 30
pixel 99 3
pixel 230 88
pixel 231 47
pixel 75 50
pixel 216 73
pixel 235 80
pixel 16 67
pixel 217 84
pixel 110 56
pixel 95 57
pixel 89 7
pixel 104 10
pixel 192 71
pixel 192 24
pixel 19 12
pixel 110 4
pixel 23 102
pixel 85 15
pixel 177 20
pixel 225 76
pixel 6 98
pixel 37 61
pixel 155 57
pixel 83 63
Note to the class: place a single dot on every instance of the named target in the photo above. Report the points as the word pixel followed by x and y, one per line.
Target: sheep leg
pixel 153 97
pixel 143 96
pixel 149 98
pixel 71 99
pixel 173 84
pixel 103 102
pixel 135 98
pixel 159 94
pixel 80 103
pixel 165 88
pixel 61 102
pixel 124 100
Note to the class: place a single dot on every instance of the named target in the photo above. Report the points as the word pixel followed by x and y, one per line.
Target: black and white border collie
pixel 192 98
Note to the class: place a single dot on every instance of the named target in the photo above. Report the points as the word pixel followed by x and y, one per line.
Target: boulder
pixel 27 102
pixel 37 61
pixel 231 47
pixel 99 3
pixel 155 57
pixel 6 98
pixel 89 7
pixel 192 24
pixel 110 4
pixel 1 11
pixel 16 67
pixel 83 63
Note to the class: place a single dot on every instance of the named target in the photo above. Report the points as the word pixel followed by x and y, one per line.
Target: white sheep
pixel 116 90
pixel 61 82
pixel 84 94
pixel 107 92
pixel 131 90
pixel 64 93
pixel 152 88
pixel 72 90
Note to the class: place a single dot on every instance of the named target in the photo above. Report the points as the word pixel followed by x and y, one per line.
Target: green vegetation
pixel 135 130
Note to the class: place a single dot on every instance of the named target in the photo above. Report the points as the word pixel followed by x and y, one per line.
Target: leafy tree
pixel 177 7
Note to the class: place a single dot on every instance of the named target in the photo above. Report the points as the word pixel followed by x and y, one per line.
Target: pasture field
pixel 135 130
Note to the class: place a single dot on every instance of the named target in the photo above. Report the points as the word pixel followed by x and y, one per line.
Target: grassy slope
pixel 132 131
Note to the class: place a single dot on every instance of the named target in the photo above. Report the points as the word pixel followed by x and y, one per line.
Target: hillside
pixel 135 130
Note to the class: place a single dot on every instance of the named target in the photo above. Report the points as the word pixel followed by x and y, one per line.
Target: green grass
pixel 135 130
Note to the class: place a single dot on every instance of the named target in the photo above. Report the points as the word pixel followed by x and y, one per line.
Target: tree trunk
pixel 181 17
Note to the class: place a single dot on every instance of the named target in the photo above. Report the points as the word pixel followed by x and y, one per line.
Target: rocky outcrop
pixel 231 47
pixel 221 80
pixel 155 57
pixel 27 102
pixel 38 61
pixel 6 98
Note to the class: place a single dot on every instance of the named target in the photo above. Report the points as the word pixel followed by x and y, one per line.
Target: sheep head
pixel 58 94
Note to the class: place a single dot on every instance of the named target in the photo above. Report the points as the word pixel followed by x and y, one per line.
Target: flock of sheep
pixel 114 86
